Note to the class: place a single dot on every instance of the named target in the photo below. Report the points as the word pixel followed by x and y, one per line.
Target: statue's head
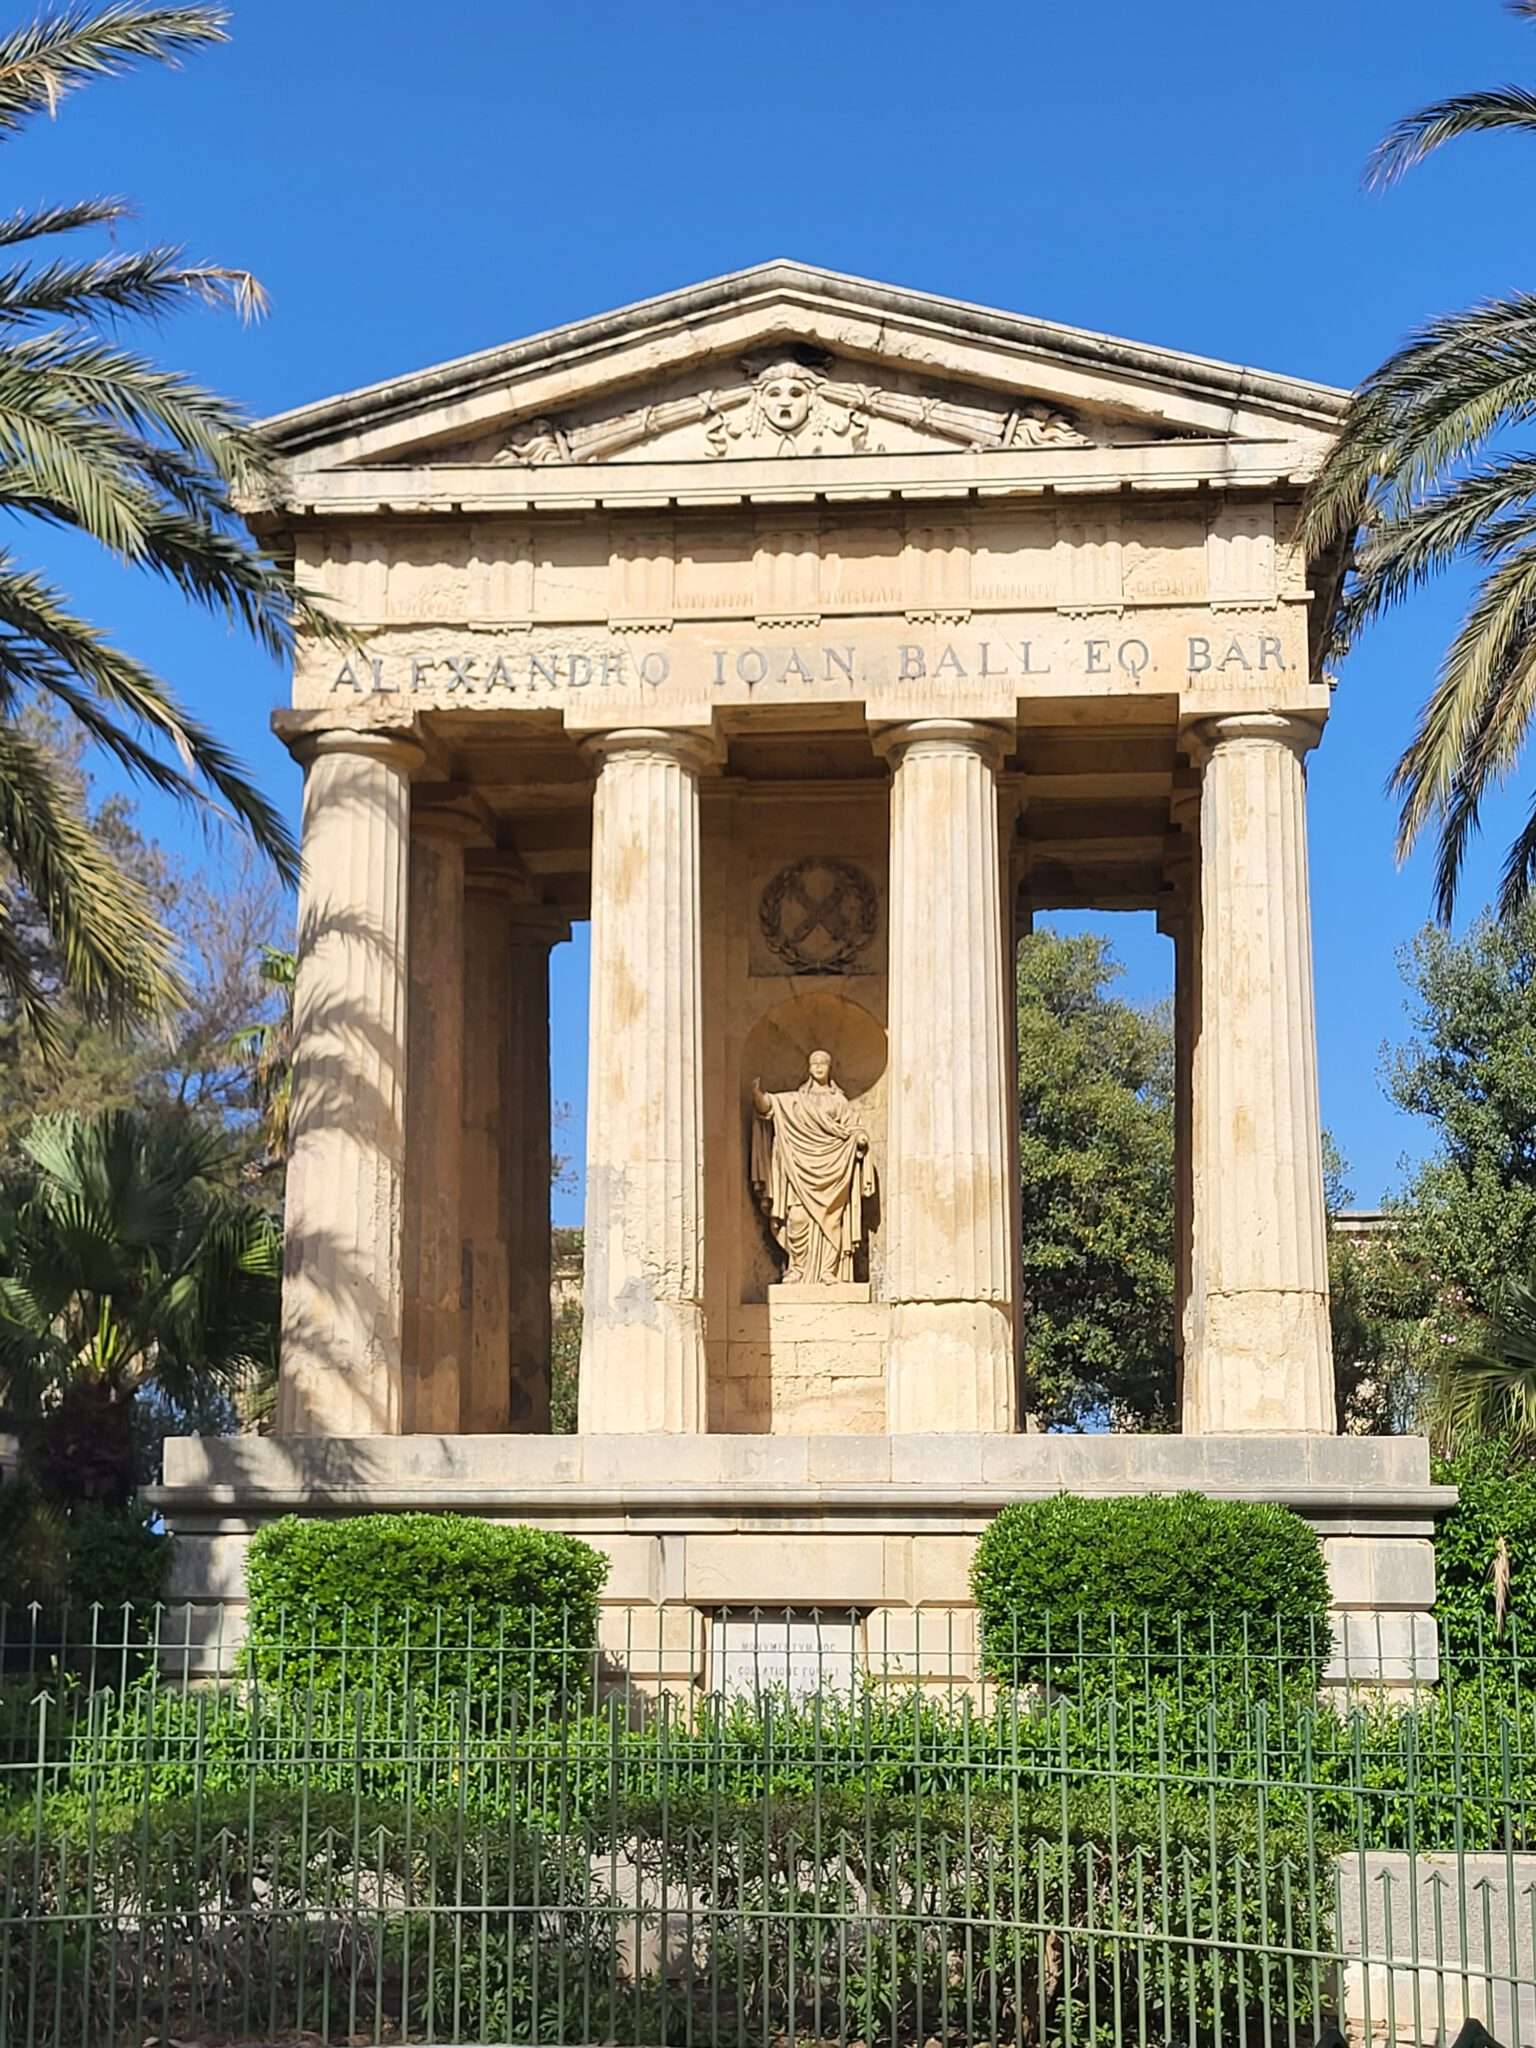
pixel 785 392
pixel 820 1065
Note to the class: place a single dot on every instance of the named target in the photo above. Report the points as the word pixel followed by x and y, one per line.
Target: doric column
pixel 1180 921
pixel 642 1346
pixel 534 929
pixel 341 1359
pixel 1264 1360
pixel 492 889
pixel 948 1206
pixel 434 1106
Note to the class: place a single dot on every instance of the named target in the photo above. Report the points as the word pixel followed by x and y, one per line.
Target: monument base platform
pixel 880 1528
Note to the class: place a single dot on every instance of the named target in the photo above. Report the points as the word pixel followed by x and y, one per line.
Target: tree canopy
pixel 98 438
pixel 1096 1184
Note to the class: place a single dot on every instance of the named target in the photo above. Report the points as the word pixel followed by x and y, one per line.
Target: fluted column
pixel 642 1346
pixel 948 1205
pixel 491 893
pixel 534 929
pixel 1265 1356
pixel 1180 921
pixel 433 1137
pixel 341 1336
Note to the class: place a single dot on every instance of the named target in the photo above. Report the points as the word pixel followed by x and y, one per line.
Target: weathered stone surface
pixel 642 1346
pixel 342 1277
pixel 1263 1358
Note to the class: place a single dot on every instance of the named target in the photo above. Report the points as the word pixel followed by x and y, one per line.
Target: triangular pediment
pixel 787 360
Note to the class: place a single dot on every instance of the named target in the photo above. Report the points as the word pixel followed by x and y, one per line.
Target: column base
pixel 950 1367
pixel 645 1377
pixel 1266 1363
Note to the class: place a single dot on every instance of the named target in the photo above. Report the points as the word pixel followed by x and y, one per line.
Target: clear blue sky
pixel 414 182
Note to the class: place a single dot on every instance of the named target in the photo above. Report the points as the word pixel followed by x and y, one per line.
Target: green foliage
pixel 129 1258
pixel 1164 1570
pixel 533 1957
pixel 1423 479
pixel 96 438
pixel 1096 1167
pixel 434 1600
pixel 73 1561
pixel 1469 1070
pixel 1485 1555
pixel 1382 1310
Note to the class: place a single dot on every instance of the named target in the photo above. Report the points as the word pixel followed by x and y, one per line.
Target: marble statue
pixel 811 1175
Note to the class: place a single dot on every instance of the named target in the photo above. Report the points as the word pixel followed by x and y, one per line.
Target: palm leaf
pixel 1414 137
pixel 42 62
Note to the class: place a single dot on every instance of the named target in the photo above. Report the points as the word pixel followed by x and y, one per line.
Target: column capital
pixel 398 750
pixel 449 824
pixel 537 924
pixel 1286 729
pixel 689 746
pixel 987 742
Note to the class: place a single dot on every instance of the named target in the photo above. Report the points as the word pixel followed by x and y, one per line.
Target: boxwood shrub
pixel 431 1601
pixel 1081 1584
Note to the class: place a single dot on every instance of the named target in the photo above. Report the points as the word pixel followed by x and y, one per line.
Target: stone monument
pixel 811 1176
pixel 808 636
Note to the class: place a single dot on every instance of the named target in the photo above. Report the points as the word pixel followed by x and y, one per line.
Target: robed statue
pixel 811 1175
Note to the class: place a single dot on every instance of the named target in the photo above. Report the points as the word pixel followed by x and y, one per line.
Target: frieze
pixel 1126 660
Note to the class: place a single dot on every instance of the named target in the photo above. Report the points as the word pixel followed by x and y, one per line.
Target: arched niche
pixel 776 1050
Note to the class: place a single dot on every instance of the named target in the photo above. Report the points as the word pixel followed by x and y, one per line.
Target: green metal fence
pixel 755 1830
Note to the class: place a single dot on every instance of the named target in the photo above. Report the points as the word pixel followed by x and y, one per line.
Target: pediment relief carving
pixel 786 406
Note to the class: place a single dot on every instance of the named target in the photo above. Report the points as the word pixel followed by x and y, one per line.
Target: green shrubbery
pixel 81 1566
pixel 1061 1583
pixel 1487 1542
pixel 440 1601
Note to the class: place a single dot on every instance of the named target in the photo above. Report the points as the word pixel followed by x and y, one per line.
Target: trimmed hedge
pixel 1063 1580
pixel 440 1601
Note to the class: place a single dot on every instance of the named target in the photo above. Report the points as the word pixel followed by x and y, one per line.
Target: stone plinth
pixel 881 1525
pixel 807 1361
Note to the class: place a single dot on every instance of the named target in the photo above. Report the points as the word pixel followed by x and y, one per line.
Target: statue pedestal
pixel 785 1291
pixel 807 1361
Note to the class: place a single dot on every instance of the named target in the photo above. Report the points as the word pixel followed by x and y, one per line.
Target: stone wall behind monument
pixel 795 953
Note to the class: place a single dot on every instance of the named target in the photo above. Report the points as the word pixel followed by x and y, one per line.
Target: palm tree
pixel 131 1263
pixel 1487 1388
pixel 1422 476
pixel 268 1048
pixel 96 437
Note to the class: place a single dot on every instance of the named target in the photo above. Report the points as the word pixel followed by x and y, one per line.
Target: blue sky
pixel 411 183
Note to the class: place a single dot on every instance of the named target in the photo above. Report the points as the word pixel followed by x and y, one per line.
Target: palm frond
pixel 147 283
pixel 31 224
pixel 51 56
pixel 118 956
pixel 32 611
pixel 1417 135
pixel 1455 382
pixel 97 378
pixel 1475 721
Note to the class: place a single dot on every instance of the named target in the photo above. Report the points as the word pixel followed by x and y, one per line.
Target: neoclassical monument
pixel 808 636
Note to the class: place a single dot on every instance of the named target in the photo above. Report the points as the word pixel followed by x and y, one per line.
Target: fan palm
pixel 1423 476
pixel 130 1262
pixel 96 437
pixel 1487 1389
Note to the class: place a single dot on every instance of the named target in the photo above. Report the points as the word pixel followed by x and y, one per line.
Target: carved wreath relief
pixel 789 408
pixel 819 914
